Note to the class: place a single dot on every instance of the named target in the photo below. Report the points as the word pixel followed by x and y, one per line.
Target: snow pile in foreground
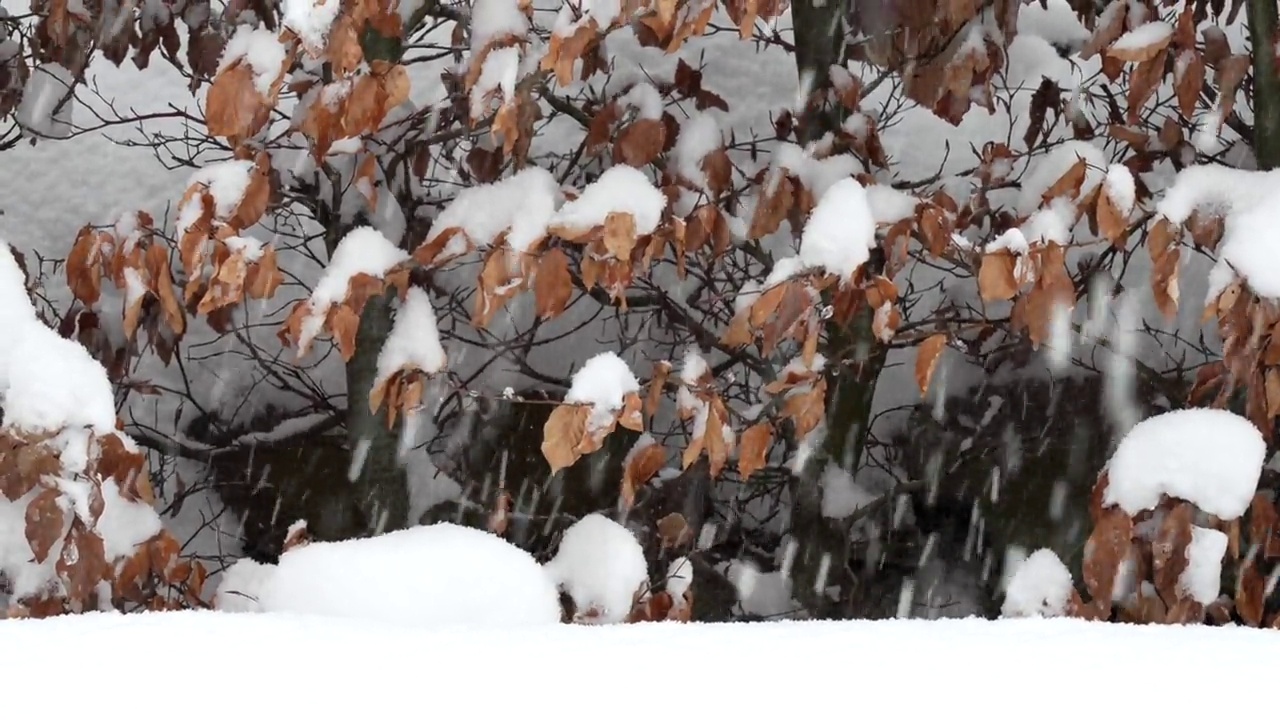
pixel 1040 587
pixel 1212 458
pixel 321 668
pixel 435 575
pixel 602 567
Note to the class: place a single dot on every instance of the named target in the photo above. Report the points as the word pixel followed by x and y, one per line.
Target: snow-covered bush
pixel 1178 501
pixel 77 530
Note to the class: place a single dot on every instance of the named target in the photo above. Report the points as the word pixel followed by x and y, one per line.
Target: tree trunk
pixel 854 357
pixel 1262 17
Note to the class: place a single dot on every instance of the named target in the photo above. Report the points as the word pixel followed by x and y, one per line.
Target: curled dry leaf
pixel 1251 592
pixel 82 563
pixel 657 385
pixel 927 356
pixel 297 536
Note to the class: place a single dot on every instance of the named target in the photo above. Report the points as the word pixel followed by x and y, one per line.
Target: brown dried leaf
pixel 83 562
pixel 996 280
pixel 44 521
pixel 500 516
pixel 927 359
pixel 563 433
pixel 1251 589
pixel 640 143
pixel 1112 224
pixel 1103 553
pixel 552 284
pixel 753 450
pixel 343 324
pixel 806 409
pixel 1140 53
pixel 674 531
pixel 1169 552
pixel 640 469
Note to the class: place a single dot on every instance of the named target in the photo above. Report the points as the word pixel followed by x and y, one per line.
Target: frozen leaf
pixel 44 521
pixel 753 449
pixel 927 359
pixel 553 284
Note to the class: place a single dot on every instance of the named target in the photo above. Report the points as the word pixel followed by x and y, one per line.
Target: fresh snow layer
pixel 521 205
pixel 414 342
pixel 1040 587
pixel 620 189
pixel 1212 458
pixel 322 668
pixel 840 232
pixel 603 381
pixel 601 565
pixel 429 576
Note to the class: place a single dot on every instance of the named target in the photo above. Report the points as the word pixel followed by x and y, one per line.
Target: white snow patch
pixel 522 205
pixel 1202 578
pixel 841 496
pixel 620 189
pixel 1040 587
pixel 430 576
pixel 1212 458
pixel 414 342
pixel 601 565
pixel 840 232
pixel 261 50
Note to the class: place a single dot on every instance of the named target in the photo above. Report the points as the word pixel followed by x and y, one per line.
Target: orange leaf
pixel 620 234
pixel 640 468
pixel 927 359
pixel 552 284
pixel 44 519
pixel 563 432
pixel 996 279
pixel 754 448
pixel 343 325
pixel 640 143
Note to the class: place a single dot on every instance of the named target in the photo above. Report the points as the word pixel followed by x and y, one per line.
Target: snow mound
pixel 602 567
pixel 430 576
pixel 1040 587
pixel 620 189
pixel 414 341
pixel 521 205
pixel 1212 458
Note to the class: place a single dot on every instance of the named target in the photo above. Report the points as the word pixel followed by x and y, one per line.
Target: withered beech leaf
pixel 1106 547
pixel 674 531
pixel 927 359
pixel 641 466
pixel 552 284
pixel 753 449
pixel 996 280
pixel 563 432
pixel 1169 552
pixel 44 521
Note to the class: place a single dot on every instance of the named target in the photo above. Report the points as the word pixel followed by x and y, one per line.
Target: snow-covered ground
pixel 278 666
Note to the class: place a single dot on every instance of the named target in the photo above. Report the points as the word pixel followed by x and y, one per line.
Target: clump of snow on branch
pixel 620 189
pixel 522 205
pixel 429 576
pixel 601 565
pixel 45 108
pixel 700 135
pixel 261 49
pixel 414 342
pixel 493 19
pixel 1120 187
pixel 1202 578
pixel 1246 201
pixel 1040 587
pixel 363 250
pixel 227 183
pixel 840 231
pixel 841 496
pixel 311 20
pixel 603 382
pixel 1211 458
